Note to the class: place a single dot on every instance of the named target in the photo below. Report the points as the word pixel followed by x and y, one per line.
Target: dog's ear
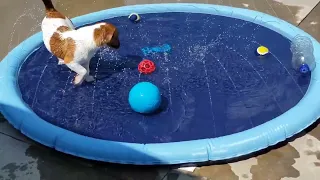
pixel 104 34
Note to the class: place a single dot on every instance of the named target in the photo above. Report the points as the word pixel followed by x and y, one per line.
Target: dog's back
pixel 53 22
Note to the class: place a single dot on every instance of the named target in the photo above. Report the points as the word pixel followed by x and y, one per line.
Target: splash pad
pixel 220 100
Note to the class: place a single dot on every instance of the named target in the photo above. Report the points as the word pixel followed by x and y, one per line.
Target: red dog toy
pixel 146 66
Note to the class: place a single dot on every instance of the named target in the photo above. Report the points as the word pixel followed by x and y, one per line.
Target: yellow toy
pixel 262 50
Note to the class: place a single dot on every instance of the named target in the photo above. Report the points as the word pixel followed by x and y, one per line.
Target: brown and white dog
pixel 72 47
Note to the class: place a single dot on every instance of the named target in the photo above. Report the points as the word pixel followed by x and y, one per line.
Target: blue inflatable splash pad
pixel 219 99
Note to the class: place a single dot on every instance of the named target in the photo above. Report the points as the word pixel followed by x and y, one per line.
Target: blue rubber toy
pixel 304 68
pixel 144 98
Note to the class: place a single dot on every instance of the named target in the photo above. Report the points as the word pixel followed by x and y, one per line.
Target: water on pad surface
pixel 210 78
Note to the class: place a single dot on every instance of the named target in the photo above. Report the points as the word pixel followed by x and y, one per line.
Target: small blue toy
pixel 304 68
pixel 134 17
pixel 144 98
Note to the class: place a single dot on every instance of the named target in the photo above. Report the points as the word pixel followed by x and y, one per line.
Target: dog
pixel 75 47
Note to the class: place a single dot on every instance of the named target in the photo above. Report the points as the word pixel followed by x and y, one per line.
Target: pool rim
pixel 270 133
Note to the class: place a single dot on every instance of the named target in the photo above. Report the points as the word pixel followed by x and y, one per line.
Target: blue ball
pixel 144 97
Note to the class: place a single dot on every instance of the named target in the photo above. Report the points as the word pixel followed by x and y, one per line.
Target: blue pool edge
pixel 17 112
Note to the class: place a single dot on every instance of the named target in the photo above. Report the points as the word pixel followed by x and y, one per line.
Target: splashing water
pixel 31 14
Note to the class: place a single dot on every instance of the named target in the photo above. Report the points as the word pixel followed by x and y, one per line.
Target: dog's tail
pixel 48 4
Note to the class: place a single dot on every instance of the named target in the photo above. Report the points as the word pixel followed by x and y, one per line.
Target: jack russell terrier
pixel 72 47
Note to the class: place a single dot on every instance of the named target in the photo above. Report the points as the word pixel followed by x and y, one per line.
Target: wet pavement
pixel 23 159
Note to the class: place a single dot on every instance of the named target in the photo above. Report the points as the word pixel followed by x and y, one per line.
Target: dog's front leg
pixel 80 70
pixel 88 78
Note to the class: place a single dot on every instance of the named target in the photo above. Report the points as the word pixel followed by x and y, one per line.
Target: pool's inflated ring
pixel 19 103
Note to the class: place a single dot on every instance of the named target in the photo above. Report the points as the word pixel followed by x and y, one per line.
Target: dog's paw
pixel 90 79
pixel 78 80
pixel 61 62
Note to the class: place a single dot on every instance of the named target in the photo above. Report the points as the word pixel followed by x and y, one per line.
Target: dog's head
pixel 107 35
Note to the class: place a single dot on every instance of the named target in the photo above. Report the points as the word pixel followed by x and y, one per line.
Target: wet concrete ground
pixel 23 159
